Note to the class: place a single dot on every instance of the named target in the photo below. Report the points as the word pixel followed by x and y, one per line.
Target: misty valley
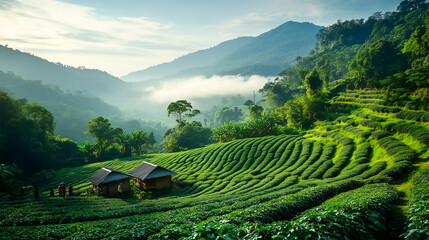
pixel 299 132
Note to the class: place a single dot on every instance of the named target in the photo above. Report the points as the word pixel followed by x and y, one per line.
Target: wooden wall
pixel 154 183
pixel 111 188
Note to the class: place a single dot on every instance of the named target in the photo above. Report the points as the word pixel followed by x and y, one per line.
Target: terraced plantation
pixel 362 176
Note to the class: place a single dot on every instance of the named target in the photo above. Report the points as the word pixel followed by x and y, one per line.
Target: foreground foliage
pixel 418 218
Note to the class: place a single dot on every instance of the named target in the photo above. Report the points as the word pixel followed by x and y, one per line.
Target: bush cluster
pixel 418 132
pixel 315 155
pixel 356 214
pixel 337 136
pixel 375 108
pixel 374 170
pixel 341 161
pixel 418 217
pixel 361 158
pixel 380 134
pixel 398 150
pixel 356 131
pixel 413 115
pixel 403 157
pixel 358 100
pixel 231 226
pixel 368 116
pixel 327 153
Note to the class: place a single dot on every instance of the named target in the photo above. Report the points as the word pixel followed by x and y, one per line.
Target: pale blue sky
pixel 120 36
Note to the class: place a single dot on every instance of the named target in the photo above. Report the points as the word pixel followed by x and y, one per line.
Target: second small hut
pixel 109 180
pixel 149 176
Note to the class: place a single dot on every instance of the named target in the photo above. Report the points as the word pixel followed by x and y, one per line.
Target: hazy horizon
pixel 127 36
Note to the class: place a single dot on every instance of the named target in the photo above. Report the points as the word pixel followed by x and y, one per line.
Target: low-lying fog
pixel 203 92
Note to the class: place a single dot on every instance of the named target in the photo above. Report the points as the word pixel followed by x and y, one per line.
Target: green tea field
pixel 363 176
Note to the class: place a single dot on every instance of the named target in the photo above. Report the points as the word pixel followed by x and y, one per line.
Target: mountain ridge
pixel 92 82
pixel 272 51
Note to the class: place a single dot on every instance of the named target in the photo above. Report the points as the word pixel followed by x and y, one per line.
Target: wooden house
pixel 149 176
pixel 109 180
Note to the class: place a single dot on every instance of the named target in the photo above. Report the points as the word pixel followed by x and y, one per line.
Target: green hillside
pixel 89 81
pixel 349 178
pixel 71 110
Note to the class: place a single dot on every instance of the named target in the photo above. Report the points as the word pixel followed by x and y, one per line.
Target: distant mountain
pixel 88 81
pixel 71 110
pixel 266 55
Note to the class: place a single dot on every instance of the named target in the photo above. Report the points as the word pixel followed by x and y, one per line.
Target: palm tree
pixel 125 141
pixel 88 150
pixel 138 139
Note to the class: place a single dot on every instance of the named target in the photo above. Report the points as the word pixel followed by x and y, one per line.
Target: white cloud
pixel 50 27
pixel 204 87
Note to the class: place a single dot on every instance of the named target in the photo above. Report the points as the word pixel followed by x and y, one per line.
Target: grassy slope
pixel 223 181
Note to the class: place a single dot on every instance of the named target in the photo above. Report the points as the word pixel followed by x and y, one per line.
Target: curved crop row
pixel 419 116
pixel 327 153
pixel 356 214
pixel 356 131
pixel 359 100
pixel 368 116
pixel 403 157
pixel 376 108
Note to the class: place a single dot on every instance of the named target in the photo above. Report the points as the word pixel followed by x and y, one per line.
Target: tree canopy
pixel 180 109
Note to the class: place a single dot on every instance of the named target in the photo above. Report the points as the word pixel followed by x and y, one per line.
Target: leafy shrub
pixel 341 161
pixel 418 217
pixel 375 108
pixel 371 124
pixel 374 170
pixel 327 153
pixel 413 115
pixel 317 151
pixel 357 100
pixel 361 157
pixel 286 207
pixel 368 116
pixel 398 150
pixel 263 126
pixel 342 119
pixel 380 134
pixel 356 214
pixel 359 132
pixel 418 132
pixel 321 170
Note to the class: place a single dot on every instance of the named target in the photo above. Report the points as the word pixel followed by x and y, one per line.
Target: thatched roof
pixel 148 171
pixel 106 175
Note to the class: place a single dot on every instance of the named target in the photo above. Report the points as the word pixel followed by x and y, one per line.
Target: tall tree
pixel 248 103
pixel 100 128
pixel 227 114
pixel 179 108
pixel 41 117
pixel 313 83
pixel 324 72
pixel 256 111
